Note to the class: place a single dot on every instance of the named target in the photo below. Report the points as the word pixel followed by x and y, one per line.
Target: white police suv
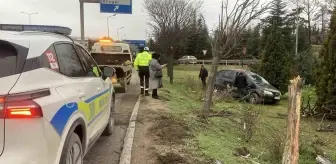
pixel 54 100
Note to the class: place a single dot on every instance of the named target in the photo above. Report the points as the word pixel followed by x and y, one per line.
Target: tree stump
pixel 291 152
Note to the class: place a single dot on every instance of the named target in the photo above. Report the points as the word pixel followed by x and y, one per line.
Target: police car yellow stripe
pixel 92 109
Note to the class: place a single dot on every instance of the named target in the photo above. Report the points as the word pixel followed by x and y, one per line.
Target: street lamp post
pixel 108 24
pixel 118 31
pixel 29 15
pixel 122 37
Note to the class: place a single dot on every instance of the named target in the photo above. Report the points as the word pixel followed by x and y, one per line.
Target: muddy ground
pixel 158 137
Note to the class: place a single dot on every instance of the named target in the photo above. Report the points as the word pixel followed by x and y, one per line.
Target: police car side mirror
pixel 108 71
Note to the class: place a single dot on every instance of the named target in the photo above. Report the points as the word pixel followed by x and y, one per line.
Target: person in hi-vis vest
pixel 141 64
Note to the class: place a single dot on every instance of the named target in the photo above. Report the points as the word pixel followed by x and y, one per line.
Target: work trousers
pixel 144 78
pixel 203 82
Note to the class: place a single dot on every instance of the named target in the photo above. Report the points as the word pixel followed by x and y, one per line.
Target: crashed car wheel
pixel 254 98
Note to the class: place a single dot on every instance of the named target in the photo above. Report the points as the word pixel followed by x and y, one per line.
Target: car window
pixel 47 60
pixel 69 63
pixel 8 57
pixel 257 78
pixel 88 62
pixel 232 74
pixel 227 73
pixel 221 73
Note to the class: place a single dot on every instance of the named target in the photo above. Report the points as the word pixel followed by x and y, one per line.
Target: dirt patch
pixel 168 131
pixel 158 137
pixel 171 158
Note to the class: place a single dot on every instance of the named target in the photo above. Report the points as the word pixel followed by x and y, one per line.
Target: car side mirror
pixel 108 71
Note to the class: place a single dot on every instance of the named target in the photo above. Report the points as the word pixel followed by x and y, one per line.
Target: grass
pixel 220 136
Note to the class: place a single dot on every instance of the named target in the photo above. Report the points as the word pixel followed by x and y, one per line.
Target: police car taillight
pixel 22 105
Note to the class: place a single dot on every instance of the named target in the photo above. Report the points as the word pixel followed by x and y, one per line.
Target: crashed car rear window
pixel 8 58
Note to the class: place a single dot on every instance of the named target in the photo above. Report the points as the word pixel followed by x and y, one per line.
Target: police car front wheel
pixel 74 150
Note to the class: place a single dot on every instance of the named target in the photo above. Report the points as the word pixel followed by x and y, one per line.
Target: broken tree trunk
pixel 291 153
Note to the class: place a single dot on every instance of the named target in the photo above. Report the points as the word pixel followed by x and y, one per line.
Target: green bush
pixel 304 64
pixel 325 72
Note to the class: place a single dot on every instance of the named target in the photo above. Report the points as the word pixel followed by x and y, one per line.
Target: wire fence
pixel 227 62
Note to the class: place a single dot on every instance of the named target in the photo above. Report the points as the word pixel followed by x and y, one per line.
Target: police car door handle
pixel 81 95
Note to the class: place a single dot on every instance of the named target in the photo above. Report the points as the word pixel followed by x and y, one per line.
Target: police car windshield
pixel 7 59
pixel 257 78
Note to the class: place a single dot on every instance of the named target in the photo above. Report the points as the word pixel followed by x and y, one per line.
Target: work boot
pixel 146 93
pixel 154 94
pixel 142 91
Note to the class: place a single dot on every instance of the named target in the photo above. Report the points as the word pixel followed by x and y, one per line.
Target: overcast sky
pixel 66 13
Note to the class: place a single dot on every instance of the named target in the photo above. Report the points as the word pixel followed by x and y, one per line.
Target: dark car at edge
pixel 259 89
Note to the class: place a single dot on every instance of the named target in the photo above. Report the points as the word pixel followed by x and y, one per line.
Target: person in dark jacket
pixel 241 84
pixel 203 75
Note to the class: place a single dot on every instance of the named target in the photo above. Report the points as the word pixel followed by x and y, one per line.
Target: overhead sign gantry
pixel 106 6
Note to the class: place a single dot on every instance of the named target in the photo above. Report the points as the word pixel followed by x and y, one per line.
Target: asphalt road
pixel 107 150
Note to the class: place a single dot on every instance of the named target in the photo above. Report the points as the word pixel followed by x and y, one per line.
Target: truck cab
pixel 118 55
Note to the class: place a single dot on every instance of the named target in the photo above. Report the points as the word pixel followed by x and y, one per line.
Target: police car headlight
pixel 269 93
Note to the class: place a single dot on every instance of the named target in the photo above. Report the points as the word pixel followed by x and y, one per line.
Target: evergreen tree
pixel 325 87
pixel 198 39
pixel 253 43
pixel 275 60
pixel 305 62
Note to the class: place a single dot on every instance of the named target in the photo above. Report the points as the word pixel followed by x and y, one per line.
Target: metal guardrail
pixel 229 62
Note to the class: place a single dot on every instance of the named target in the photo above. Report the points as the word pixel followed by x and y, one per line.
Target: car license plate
pixel 277 98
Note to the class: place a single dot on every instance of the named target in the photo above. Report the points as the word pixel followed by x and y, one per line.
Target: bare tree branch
pixel 169 20
pixel 234 22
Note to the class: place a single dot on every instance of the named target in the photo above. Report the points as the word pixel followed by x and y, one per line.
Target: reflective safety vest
pixel 142 59
pixel 96 71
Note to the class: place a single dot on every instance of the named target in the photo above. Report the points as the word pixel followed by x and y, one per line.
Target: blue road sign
pixel 138 43
pixel 116 6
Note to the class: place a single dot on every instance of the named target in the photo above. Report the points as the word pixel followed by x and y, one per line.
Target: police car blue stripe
pixel 96 96
pixel 64 113
pixel 62 116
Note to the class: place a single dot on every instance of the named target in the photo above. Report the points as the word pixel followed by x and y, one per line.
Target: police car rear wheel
pixel 109 127
pixel 74 151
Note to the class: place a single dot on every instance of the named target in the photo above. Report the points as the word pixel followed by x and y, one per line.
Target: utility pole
pixel 29 15
pixel 118 31
pixel 81 13
pixel 108 24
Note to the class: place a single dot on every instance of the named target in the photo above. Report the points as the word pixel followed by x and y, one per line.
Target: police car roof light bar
pixel 41 28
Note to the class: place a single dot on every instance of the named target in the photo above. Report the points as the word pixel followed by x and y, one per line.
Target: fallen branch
pixel 322 160
pixel 221 114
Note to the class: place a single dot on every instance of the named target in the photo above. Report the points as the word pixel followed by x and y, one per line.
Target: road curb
pixel 126 154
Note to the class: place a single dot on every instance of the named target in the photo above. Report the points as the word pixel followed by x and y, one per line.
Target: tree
pixel 310 8
pixel 231 26
pixel 151 44
pixel 325 87
pixel 275 59
pixel 321 20
pixel 253 43
pixel 198 39
pixel 170 20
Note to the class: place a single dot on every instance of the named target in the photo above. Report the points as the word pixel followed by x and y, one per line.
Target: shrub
pixel 304 65
pixel 249 120
pixel 325 73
